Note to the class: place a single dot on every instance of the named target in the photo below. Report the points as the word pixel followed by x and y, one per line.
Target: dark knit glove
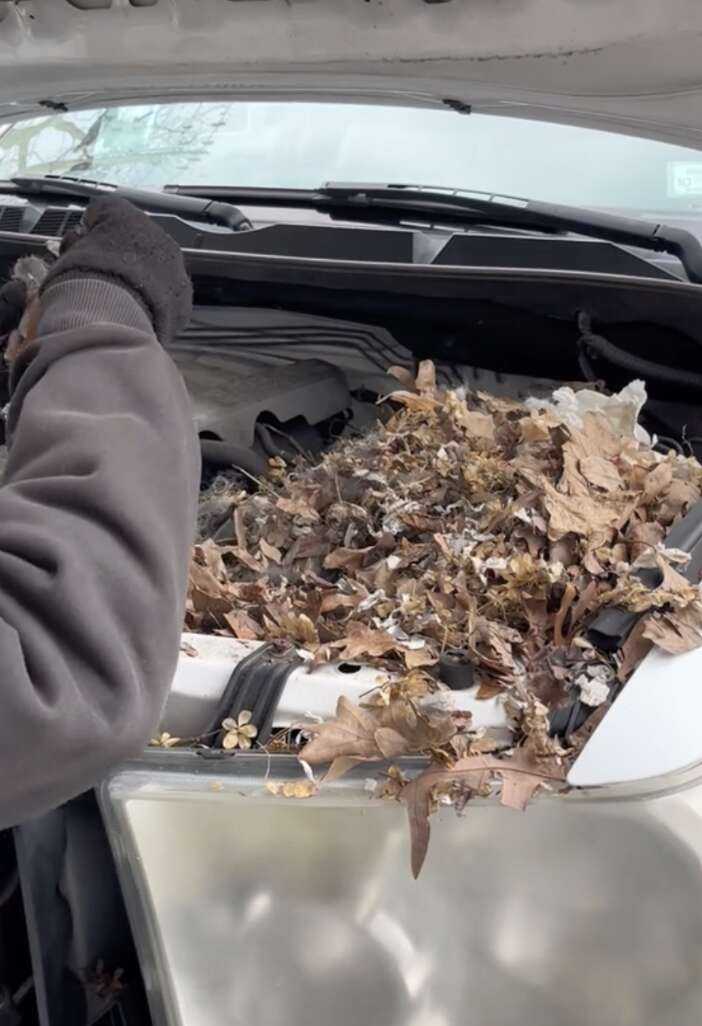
pixel 118 243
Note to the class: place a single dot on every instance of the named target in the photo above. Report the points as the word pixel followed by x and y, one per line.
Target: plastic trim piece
pixel 256 684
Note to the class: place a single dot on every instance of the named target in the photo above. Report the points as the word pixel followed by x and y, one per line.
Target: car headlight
pixel 251 908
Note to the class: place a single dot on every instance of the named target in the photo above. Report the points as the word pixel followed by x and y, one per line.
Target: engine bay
pixel 269 382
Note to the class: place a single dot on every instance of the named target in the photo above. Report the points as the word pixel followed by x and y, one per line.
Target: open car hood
pixel 627 65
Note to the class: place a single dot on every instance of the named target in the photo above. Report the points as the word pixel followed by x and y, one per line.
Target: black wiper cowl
pixel 191 207
pixel 531 214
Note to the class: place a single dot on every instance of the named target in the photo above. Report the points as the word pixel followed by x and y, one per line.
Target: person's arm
pixel 97 515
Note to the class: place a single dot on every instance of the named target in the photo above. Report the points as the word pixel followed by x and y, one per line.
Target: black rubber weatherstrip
pixel 610 629
pixel 255 685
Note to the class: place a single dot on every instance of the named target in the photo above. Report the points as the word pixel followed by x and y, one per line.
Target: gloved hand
pixel 119 243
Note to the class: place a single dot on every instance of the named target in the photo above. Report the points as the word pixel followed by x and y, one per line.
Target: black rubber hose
pixel 267 443
pixel 586 367
pixel 640 366
pixel 265 432
pixel 665 443
pixel 224 454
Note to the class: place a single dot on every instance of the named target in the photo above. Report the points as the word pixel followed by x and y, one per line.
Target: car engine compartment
pixel 268 382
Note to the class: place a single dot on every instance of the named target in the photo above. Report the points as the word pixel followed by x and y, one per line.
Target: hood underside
pixel 630 66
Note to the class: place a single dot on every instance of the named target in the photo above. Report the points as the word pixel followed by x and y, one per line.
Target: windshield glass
pixel 302 145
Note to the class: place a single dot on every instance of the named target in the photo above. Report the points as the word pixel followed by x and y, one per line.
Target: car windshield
pixel 302 145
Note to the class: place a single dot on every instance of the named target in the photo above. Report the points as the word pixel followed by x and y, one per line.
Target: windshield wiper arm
pixel 531 214
pixel 191 207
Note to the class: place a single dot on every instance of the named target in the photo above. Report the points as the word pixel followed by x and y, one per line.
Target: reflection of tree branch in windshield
pixel 126 145
pixel 86 142
pixel 22 145
pixel 25 139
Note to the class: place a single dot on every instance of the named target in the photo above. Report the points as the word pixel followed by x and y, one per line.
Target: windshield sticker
pixel 684 178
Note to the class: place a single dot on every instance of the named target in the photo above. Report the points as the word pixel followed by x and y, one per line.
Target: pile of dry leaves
pixel 464 524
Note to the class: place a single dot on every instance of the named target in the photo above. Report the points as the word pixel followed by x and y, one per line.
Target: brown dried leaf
pixel 680 496
pixel 644 537
pixel 521 777
pixel 578 514
pixel 270 551
pixel 300 508
pixel 537 427
pixel 336 600
pixel 585 604
pixel 210 554
pixel 352 733
pixel 421 732
pixel 488 690
pixel 362 642
pixel 421 404
pixel 426 376
pixel 567 600
pixel 536 726
pixel 472 422
pixel 417 657
pixel 677 631
pixel 658 481
pixel 243 557
pixel 404 376
pixel 301 628
pixel 206 593
pixel 671 580
pixel 292 788
pixel 380 732
pixel 601 472
pixel 242 625
pixel 391 784
pixel 348 559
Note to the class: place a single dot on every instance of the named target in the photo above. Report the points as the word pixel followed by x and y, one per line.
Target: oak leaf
pixel 362 642
pixel 360 734
pixel 521 776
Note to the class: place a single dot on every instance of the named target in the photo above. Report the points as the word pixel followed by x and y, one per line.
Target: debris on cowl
pixel 470 524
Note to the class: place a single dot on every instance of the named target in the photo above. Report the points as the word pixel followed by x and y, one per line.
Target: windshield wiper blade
pixel 390 212
pixel 526 213
pixel 192 207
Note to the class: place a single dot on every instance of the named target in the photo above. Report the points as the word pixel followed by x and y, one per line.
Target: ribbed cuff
pixel 79 302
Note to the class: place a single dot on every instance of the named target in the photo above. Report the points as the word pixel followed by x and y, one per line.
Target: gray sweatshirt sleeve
pixel 97 515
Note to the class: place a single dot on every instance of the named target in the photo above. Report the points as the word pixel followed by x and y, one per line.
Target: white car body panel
pixel 201 678
pixel 652 729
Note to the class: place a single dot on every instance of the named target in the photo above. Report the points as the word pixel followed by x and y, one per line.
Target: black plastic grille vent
pixel 56 221
pixel 11 219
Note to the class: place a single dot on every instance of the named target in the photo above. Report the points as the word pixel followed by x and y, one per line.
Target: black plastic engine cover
pixel 228 406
